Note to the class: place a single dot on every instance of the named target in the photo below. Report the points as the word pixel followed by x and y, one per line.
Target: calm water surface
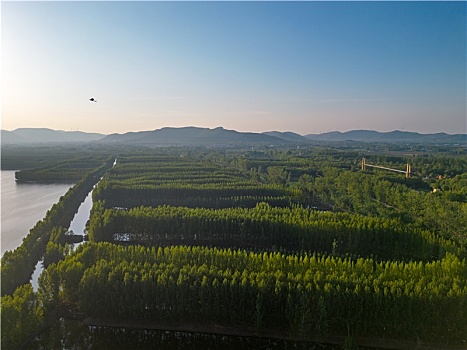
pixel 71 335
pixel 22 206
pixel 78 223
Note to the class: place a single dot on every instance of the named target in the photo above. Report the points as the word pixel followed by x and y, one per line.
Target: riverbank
pixel 23 205
pixel 339 340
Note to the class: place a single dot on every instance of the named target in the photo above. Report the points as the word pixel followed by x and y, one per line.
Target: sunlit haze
pixel 306 67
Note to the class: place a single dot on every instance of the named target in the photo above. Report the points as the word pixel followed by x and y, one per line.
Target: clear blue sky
pixel 306 67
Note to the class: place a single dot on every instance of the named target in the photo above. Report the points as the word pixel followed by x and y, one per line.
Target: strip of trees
pixel 186 182
pixel 68 171
pixel 22 310
pixel 265 227
pixel 304 295
pixel 18 265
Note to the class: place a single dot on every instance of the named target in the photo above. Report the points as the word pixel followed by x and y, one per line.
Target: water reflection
pixel 22 206
pixel 37 272
pixel 71 334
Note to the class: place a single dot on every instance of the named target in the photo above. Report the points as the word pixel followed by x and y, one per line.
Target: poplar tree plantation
pixel 293 243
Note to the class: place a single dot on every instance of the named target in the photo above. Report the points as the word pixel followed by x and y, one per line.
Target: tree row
pixel 18 265
pixel 267 227
pixel 304 295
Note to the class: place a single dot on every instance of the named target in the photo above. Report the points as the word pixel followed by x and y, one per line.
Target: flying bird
pixel 92 99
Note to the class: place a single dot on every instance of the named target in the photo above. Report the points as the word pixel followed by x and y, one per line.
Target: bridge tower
pixel 409 170
pixel 363 164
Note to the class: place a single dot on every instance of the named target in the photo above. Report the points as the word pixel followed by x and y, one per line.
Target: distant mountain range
pixel 218 137
pixel 192 136
pixel 392 136
pixel 222 137
pixel 43 135
pixel 287 136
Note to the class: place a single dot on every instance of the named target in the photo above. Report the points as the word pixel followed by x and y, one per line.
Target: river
pixel 22 206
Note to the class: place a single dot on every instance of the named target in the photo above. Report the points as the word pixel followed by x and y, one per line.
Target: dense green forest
pixel 297 241
pixel 269 228
pixel 153 181
pixel 299 293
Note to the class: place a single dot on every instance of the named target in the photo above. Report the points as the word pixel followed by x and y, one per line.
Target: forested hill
pixel 392 136
pixel 193 136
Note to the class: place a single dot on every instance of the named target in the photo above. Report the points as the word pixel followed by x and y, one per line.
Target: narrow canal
pixel 77 227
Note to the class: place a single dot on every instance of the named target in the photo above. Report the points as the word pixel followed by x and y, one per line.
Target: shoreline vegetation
pixel 18 265
pixel 228 242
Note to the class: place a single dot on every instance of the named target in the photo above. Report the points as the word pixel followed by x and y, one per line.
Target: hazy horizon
pixel 303 67
pixel 247 131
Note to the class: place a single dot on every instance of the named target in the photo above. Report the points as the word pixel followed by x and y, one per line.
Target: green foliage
pixel 55 252
pixel 367 194
pixel 49 287
pixel 266 227
pixel 21 316
pixel 18 265
pixel 185 182
pixel 232 238
pixel 266 291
